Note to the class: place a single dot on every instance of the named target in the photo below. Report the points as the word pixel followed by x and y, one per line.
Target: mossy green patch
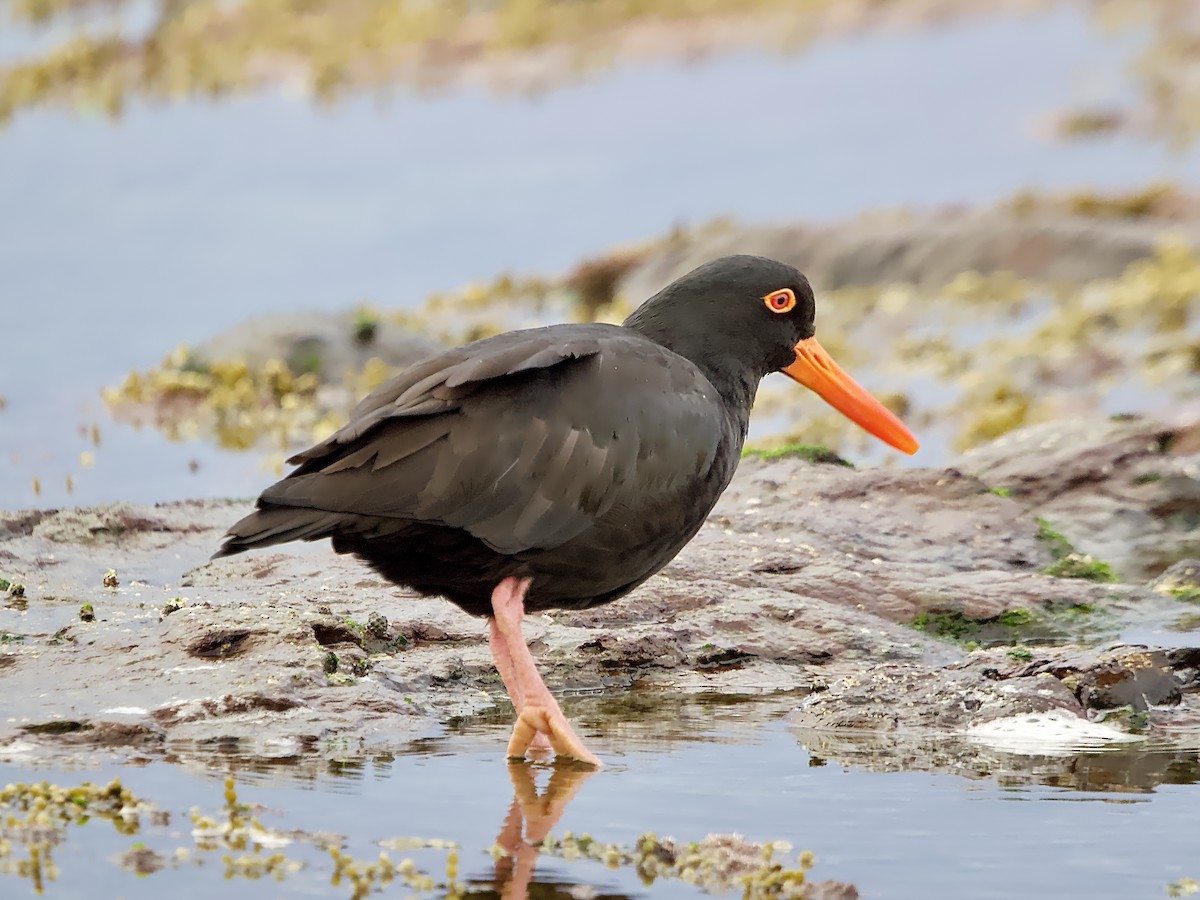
pixel 1134 721
pixel 1017 627
pixel 1008 627
pixel 1069 563
pixel 1016 618
pixel 1187 594
pixel 366 325
pixel 1000 491
pixel 812 452
pixel 1077 565
pixel 1055 541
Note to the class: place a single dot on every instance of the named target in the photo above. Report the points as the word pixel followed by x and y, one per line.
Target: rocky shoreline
pixel 907 605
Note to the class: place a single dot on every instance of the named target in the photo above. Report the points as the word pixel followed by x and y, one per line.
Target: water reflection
pixel 530 819
pixel 633 719
pixel 690 766
pixel 1118 771
pixel 244 837
pixel 631 725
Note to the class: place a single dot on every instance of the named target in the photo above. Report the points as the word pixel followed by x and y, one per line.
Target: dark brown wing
pixel 523 440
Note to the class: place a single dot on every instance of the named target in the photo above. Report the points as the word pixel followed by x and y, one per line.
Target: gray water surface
pixel 1102 825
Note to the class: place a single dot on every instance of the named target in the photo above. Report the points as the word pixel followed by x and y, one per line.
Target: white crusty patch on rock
pixel 1055 732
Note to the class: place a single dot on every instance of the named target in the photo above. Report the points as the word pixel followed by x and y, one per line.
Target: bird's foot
pixel 550 725
pixel 541 724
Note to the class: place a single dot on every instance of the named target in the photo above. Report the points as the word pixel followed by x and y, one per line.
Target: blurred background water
pixel 121 239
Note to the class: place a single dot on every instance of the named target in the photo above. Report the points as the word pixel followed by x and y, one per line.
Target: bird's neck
pixel 712 355
pixel 736 386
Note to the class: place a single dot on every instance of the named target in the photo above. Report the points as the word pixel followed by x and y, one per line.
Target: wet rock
pixel 806 578
pixel 994 685
pixel 1126 491
pixel 1181 578
pixel 1105 768
pixel 897 544
pixel 1137 677
pixel 831 890
pixel 946 701
pixel 1050 721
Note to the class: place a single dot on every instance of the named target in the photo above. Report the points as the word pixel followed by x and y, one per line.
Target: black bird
pixel 559 466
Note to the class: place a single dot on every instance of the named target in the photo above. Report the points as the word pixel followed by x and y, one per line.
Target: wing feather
pixel 523 441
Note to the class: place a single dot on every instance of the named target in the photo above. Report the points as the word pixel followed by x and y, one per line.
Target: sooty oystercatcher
pixel 559 466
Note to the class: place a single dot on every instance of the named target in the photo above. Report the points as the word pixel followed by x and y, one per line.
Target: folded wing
pixel 523 440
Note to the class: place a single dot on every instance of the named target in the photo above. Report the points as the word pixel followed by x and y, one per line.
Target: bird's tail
pixel 272 524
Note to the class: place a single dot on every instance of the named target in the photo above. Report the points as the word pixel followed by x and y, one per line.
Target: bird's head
pixel 739 318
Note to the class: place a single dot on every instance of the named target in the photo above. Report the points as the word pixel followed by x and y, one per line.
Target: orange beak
pixel 816 370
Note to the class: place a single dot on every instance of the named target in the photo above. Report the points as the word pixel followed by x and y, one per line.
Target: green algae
pixel 1077 565
pixel 40 818
pixel 717 864
pixel 1019 627
pixel 1016 618
pixel 1055 541
pixel 365 325
pixel 1068 562
pixel 814 453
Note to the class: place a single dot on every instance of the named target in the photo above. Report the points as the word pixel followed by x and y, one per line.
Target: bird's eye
pixel 781 301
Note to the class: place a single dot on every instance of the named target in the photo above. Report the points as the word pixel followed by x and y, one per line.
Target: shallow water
pixel 1097 824
pixel 119 242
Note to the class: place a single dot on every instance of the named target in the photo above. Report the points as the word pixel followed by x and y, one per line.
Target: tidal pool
pixel 887 817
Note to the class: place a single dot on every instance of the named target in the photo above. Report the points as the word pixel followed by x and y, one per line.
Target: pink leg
pixel 508 674
pixel 504 664
pixel 538 712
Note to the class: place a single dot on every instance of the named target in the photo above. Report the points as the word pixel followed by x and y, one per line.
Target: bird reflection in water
pixel 530 819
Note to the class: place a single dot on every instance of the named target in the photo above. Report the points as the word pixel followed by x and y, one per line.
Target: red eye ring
pixel 781 301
